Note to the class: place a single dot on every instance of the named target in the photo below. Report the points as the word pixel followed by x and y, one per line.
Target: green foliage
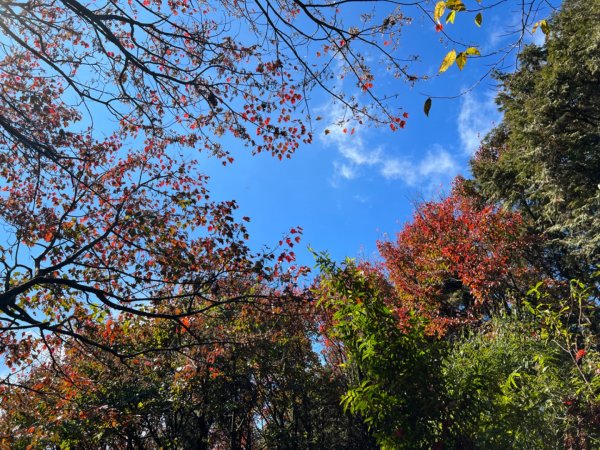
pixel 572 326
pixel 393 361
pixel 506 385
pixel 523 378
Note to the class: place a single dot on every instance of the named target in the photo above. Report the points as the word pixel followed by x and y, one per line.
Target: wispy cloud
pixel 351 146
pixel 397 169
pixel 477 116
pixel 438 162
pixel 344 170
pixel 437 166
pixel 356 154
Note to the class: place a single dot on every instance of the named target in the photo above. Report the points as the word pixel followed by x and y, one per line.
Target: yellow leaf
pixel 456 5
pixel 473 51
pixel 461 60
pixel 438 12
pixel 451 17
pixel 448 61
pixel 543 24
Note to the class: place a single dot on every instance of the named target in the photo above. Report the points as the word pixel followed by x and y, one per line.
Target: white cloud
pixel 345 171
pixel 437 166
pixel 438 162
pixel 505 30
pixel 475 119
pixel 395 169
pixel 350 145
pixel 355 154
pixel 496 34
pixel 502 31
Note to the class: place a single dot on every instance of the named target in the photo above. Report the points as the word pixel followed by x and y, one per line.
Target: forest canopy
pixel 136 314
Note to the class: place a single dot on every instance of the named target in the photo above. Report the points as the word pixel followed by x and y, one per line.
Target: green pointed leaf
pixel 448 61
pixel 438 12
pixel 456 5
pixel 427 106
pixel 461 60
pixel 451 17
pixel 478 19
pixel 473 51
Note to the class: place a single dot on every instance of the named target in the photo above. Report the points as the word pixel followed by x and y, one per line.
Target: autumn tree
pixel 238 376
pixel 459 260
pixel 186 71
pixel 122 233
pixel 181 71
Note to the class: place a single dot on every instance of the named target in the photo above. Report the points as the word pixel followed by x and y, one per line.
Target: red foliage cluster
pixel 458 260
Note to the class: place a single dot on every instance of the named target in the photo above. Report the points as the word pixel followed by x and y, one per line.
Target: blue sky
pixel 349 191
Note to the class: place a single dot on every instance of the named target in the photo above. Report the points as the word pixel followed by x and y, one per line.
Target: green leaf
pixel 427 106
pixel 456 5
pixel 478 19
pixel 438 12
pixel 448 61
pixel 461 60
pixel 451 17
pixel 511 381
pixel 473 51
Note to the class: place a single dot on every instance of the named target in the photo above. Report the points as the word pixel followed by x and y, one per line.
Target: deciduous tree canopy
pixel 134 314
